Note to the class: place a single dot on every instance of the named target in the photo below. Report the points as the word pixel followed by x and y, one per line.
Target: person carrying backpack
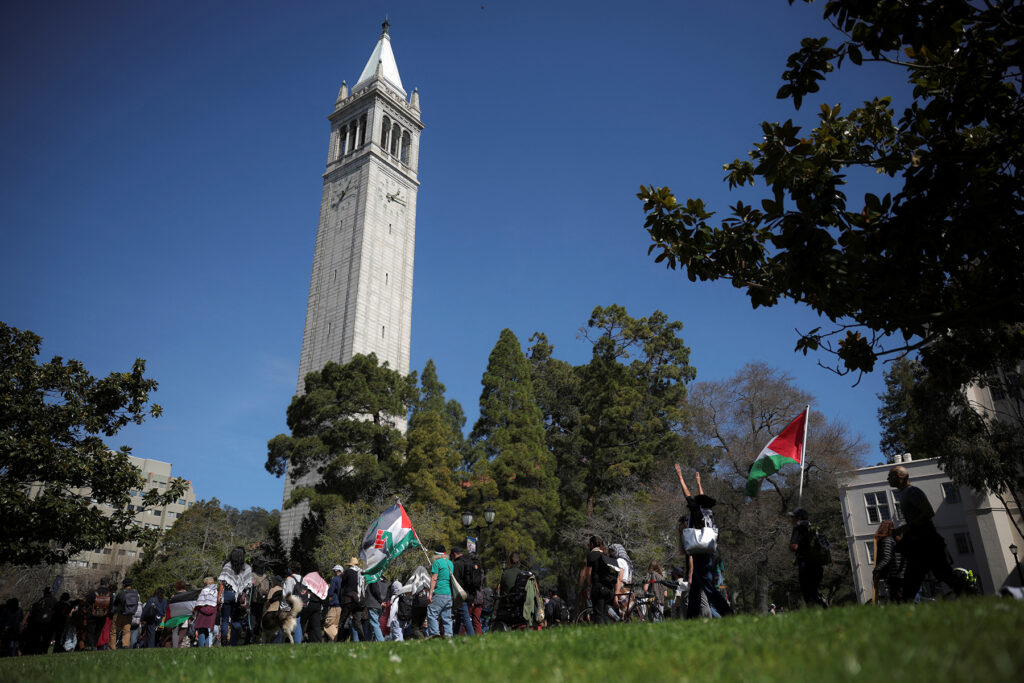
pixel 470 576
pixel 700 516
pixel 152 612
pixel 97 609
pixel 123 611
pixel 601 572
pixel 806 542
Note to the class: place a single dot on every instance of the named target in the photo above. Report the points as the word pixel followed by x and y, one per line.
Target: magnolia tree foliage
pixel 934 266
pixel 62 489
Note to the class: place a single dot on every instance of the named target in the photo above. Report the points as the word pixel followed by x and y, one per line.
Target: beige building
pixel 114 560
pixel 977 527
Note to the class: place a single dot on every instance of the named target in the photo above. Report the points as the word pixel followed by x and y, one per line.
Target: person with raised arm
pixel 701 582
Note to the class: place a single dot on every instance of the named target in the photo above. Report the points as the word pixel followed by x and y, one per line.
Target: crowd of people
pixel 245 605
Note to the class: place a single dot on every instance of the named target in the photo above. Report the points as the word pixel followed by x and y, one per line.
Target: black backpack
pixel 474 574
pixel 421 599
pixel 607 571
pixel 405 607
pixel 819 549
pixel 149 612
pixel 131 601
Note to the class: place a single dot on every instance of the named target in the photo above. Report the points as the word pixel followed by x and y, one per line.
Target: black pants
pixel 704 582
pixel 93 627
pixel 311 619
pixel 810 574
pixel 926 551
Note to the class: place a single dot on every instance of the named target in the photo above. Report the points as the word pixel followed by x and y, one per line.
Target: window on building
pixel 362 130
pixel 406 143
pixel 870 548
pixel 385 132
pixel 950 492
pixel 396 139
pixel 132 553
pixel 95 565
pixel 963 544
pixel 106 551
pixel 877 505
pixel 122 551
pixel 181 501
pixel 157 513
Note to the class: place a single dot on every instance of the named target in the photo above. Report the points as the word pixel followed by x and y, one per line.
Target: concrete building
pixel 977 527
pixel 114 560
pixel 360 291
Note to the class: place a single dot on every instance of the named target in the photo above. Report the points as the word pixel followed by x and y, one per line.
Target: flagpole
pixel 803 456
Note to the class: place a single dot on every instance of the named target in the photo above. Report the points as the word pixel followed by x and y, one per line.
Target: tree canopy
pixel 62 489
pixel 344 428
pixel 933 266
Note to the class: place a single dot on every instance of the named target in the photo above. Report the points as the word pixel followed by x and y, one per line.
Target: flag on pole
pixel 787 447
pixel 387 538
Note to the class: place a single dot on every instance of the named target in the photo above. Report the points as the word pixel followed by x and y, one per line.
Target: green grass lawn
pixel 977 640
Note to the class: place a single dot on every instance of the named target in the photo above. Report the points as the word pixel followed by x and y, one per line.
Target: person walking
pixel 206 612
pixel 331 623
pixel 465 568
pixel 152 612
pixel 292 585
pixel 923 546
pixel 98 607
pixel 440 595
pixel 126 602
pixel 702 580
pixel 601 573
pixel 889 565
pixel 809 570
pixel 376 596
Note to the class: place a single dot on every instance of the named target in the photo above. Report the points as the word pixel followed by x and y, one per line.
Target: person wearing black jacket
pixel 350 604
pixel 701 581
pixel 464 568
pixel 888 562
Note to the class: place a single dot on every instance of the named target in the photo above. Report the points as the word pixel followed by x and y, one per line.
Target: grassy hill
pixel 978 640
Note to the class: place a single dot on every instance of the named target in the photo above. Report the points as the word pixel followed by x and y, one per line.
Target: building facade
pixel 977 527
pixel 360 291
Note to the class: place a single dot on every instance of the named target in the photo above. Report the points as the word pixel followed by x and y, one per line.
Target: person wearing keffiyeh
pixel 235 578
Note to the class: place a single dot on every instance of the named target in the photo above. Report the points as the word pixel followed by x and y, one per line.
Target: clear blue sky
pixel 162 170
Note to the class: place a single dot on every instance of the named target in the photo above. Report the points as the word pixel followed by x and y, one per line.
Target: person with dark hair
pixel 507 582
pixel 889 565
pixel 922 545
pixel 440 595
pixel 464 569
pixel 701 579
pixel 126 602
pixel 98 607
pixel 61 612
pixel 597 572
pixel 235 581
pixel 809 570
pixel 152 612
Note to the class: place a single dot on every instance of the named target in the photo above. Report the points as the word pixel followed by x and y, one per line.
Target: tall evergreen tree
pixel 344 429
pixel 434 452
pixel 520 471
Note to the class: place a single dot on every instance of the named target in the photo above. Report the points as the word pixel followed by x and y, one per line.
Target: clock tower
pixel 360 292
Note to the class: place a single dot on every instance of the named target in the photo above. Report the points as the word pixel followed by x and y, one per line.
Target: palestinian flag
pixel 787 447
pixel 179 608
pixel 390 536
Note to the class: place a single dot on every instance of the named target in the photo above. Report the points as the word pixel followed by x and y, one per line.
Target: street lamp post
pixel 1020 575
pixel 467 523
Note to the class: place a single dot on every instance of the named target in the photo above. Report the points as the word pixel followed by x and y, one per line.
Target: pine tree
pixel 434 452
pixel 520 470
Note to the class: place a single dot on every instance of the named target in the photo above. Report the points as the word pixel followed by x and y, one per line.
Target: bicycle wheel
pixel 635 613
pixel 586 616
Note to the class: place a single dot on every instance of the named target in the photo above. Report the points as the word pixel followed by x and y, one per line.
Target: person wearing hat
pixel 702 582
pixel 349 599
pixel 332 622
pixel 440 594
pixel 125 603
pixel 808 568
